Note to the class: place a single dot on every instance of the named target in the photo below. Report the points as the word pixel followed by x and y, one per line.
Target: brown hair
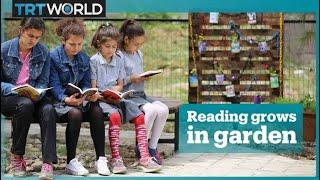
pixel 32 23
pixel 67 27
pixel 104 32
pixel 130 28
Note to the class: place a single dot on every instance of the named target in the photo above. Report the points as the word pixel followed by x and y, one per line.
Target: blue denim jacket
pixel 64 71
pixel 39 66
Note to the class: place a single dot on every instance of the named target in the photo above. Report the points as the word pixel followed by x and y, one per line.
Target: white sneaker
pixel 102 166
pixel 76 168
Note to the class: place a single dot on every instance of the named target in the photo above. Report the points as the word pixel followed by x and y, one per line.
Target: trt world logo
pixel 59 8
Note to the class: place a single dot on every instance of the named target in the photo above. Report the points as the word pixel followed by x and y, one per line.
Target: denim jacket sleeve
pixel 54 82
pixel 5 87
pixel 43 79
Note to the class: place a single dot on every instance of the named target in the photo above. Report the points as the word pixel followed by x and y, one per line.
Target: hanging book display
pixel 252 18
pixel 214 17
pixel 230 91
pixel 234 53
pixel 263 47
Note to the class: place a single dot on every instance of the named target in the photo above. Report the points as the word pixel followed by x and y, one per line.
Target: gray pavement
pixel 214 164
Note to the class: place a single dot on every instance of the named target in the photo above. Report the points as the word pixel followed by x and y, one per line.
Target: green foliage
pixel 309 103
pixel 283 100
pixel 218 68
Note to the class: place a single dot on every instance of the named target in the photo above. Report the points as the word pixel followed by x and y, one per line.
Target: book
pixel 151 73
pixel 113 94
pixel 72 89
pixel 34 93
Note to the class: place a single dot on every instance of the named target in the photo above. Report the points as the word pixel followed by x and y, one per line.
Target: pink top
pixel 24 73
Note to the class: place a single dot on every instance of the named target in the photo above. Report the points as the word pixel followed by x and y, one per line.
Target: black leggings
pixel 97 130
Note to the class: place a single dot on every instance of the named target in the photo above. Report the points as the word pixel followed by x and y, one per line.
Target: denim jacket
pixel 39 66
pixel 64 71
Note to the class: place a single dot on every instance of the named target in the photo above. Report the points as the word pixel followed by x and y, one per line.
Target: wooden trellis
pixel 249 70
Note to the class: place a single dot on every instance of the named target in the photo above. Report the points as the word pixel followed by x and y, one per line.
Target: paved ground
pixel 212 164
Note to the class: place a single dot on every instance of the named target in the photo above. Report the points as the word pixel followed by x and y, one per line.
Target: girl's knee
pixel 75 115
pixel 149 109
pixel 115 119
pixel 162 109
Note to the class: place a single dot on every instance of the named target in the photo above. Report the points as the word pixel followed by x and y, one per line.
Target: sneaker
pixel 148 165
pixel 19 166
pixel 156 155
pixel 117 166
pixel 102 166
pixel 46 171
pixel 76 168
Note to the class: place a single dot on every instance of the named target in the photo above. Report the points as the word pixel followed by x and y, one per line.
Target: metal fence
pixel 299 59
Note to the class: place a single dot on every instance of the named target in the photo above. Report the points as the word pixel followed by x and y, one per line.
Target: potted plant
pixel 219 74
pixel 309 118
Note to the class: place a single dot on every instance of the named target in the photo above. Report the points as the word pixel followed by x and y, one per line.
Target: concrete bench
pixel 173 106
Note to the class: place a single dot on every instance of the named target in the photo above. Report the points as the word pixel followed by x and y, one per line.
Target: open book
pixel 151 73
pixel 72 89
pixel 113 94
pixel 34 93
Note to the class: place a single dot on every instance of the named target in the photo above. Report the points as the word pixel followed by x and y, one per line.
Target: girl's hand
pixel 73 101
pixel 108 100
pixel 136 78
pixel 93 98
pixel 112 101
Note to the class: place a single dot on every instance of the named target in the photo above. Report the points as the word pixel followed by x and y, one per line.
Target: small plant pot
pixel 274 80
pixel 193 80
pixel 257 99
pixel 235 47
pixel 219 79
pixel 309 126
pixel 202 47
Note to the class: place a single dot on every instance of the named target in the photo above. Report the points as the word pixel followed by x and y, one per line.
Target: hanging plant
pixel 202 47
pixel 274 78
pixel 193 78
pixel 257 99
pixel 219 75
pixel 235 42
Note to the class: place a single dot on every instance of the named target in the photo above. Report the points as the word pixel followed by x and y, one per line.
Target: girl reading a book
pixel 132 37
pixel 108 73
pixel 25 61
pixel 71 65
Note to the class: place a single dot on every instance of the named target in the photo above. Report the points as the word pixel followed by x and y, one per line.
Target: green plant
pixel 272 71
pixel 309 103
pixel 283 100
pixel 218 68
